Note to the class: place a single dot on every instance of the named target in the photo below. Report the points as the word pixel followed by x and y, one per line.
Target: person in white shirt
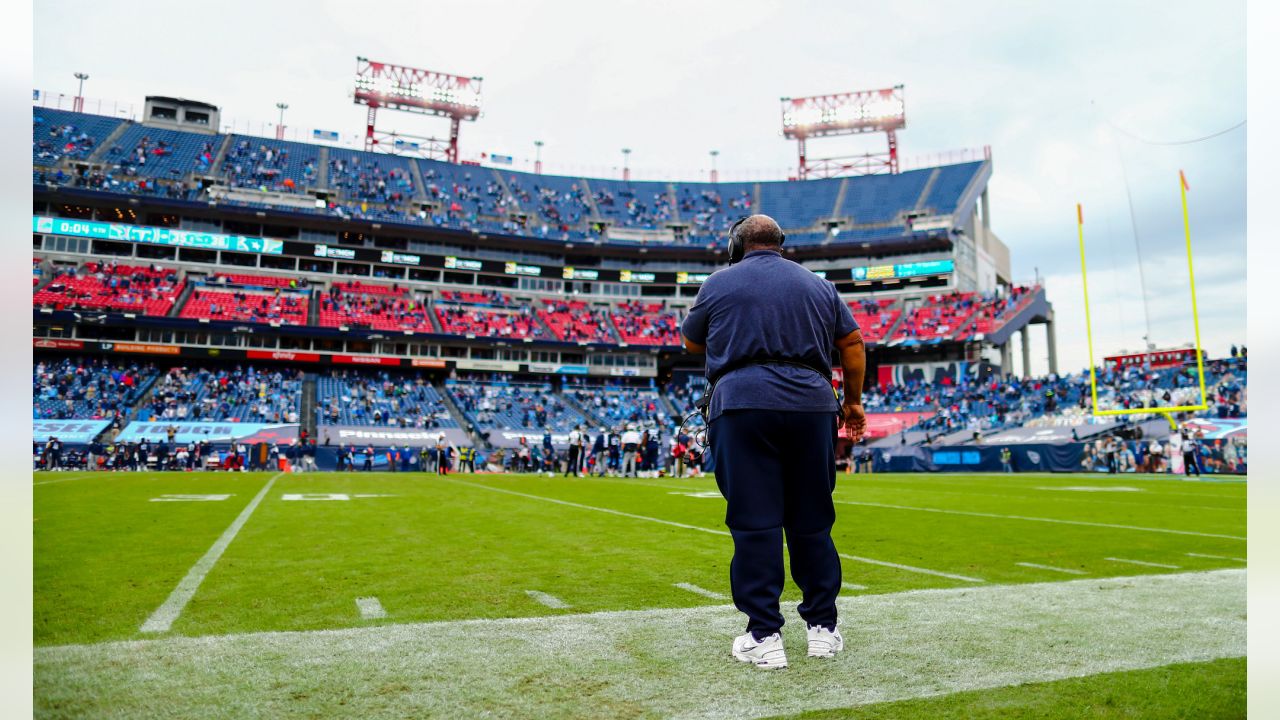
pixel 575 451
pixel 630 442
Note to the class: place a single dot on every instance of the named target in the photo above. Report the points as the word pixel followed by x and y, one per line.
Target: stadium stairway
pixel 591 417
pixel 839 203
pixel 313 308
pixel 506 189
pixel 464 420
pixel 322 178
pixel 99 152
pixel 963 328
pixel 308 412
pixel 902 316
pixel 675 203
pixel 668 407
pixel 419 187
pixel 187 289
pixel 214 167
pixel 591 199
pixel 927 190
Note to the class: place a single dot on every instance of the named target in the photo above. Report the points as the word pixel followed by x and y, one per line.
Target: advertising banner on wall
pixel 214 432
pixel 68 431
pixel 384 436
pixel 884 424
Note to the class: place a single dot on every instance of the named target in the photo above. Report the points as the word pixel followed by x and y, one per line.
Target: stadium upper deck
pixel 92 152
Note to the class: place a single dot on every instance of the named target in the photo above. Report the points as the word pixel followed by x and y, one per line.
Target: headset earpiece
pixel 736 251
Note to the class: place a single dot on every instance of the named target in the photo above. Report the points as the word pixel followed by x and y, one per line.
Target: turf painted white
pixel 852 586
pixel 663 663
pixel 701 591
pixel 370 608
pixel 550 601
pixel 162 619
pixel 1038 566
pixel 1144 563
pixel 190 498
pixel 633 516
pixel 1057 521
pixel 1216 557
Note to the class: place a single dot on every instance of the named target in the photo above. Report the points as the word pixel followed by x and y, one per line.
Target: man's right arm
pixel 853 360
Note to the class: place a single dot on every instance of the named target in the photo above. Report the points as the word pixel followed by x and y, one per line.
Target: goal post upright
pixel 1167 412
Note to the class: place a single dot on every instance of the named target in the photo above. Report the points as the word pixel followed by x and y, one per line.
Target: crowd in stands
pixel 511 324
pixel 374 306
pixel 240 394
pixel 87 389
pixel 641 323
pixel 56 141
pixel 241 306
pixel 251 165
pixel 504 404
pixel 353 397
pixel 992 309
pixel 574 321
pixel 112 286
pixel 481 297
pixel 370 179
pixel 875 317
pixel 937 318
pixel 615 405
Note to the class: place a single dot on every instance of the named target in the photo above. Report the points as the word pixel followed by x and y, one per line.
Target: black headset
pixel 736 248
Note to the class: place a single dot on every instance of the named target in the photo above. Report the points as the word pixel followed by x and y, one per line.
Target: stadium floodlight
pixel 850 113
pixel 425 92
pixel 281 106
pixel 78 104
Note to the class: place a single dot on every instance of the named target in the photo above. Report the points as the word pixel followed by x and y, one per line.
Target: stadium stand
pixel 936 319
pixel 515 324
pixel 647 324
pixel 87 389
pixel 374 306
pixel 112 286
pixel 500 403
pixel 253 281
pixel 275 165
pixel 352 397
pixel 377 186
pixel 574 321
pixel 614 405
pixel 993 310
pixel 875 317
pixel 58 134
pixel 242 306
pixel 370 177
pixel 228 395
pixel 158 153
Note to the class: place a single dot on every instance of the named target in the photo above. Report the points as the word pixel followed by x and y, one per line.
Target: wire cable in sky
pixel 1210 136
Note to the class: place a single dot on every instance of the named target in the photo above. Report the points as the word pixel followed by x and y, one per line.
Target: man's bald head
pixel 760 232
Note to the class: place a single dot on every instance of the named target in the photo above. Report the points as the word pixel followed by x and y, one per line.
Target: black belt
pixel 703 404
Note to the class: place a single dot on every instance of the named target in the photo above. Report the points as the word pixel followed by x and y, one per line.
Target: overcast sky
pixel 1070 99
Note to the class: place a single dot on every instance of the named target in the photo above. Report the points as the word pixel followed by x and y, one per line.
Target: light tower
pixel 715 176
pixel 78 104
pixel 537 160
pixel 280 125
pixel 424 92
pixel 851 113
pixel 626 164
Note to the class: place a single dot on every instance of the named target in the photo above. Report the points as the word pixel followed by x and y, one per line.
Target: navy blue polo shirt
pixel 768 307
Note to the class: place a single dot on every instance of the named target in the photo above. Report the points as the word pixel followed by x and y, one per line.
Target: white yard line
pixel 1141 501
pixel 162 619
pixel 1217 557
pixel 702 591
pixel 550 601
pixel 67 479
pixel 1056 521
pixel 852 586
pixel 1144 563
pixel 666 662
pixel 855 558
pixel 1038 566
pixel 370 608
pixel 912 568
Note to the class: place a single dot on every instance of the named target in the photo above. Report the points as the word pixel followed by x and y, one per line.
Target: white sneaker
pixel 767 653
pixel 824 643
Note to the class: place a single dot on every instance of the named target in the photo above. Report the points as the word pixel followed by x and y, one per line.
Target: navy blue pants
pixel 777 470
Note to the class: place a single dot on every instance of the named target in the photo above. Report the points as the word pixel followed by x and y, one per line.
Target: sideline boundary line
pixel 162 619
pixel 1057 521
pixel 724 533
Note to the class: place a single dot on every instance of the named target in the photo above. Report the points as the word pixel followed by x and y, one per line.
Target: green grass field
pixel 405 595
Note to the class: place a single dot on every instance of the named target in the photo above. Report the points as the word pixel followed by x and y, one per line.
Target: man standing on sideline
pixel 630 441
pixel 575 448
pixel 769 328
